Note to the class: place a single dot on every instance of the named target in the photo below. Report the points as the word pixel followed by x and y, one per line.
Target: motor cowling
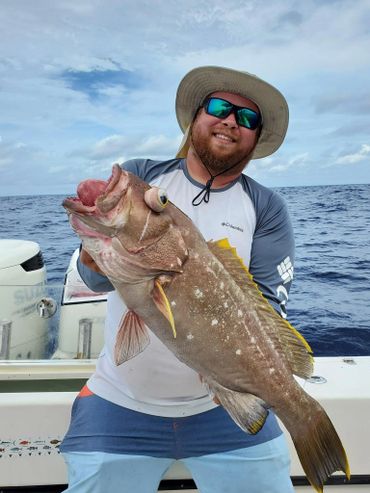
pixel 23 333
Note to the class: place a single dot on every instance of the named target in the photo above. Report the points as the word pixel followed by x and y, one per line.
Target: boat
pixel 50 337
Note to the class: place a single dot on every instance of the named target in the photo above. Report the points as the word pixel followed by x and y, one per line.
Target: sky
pixel 87 83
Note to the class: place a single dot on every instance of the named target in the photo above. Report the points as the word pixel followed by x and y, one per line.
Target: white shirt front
pixel 155 381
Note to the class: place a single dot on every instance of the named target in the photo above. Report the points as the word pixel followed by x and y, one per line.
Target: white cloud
pixel 109 147
pixel 5 162
pixel 154 145
pixel 288 50
pixel 357 157
pixel 278 164
pixel 314 52
pixel 13 154
pixel 101 155
pixel 159 145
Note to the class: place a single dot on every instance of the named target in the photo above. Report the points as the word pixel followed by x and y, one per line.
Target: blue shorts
pixel 111 448
pixel 262 468
pixel 98 425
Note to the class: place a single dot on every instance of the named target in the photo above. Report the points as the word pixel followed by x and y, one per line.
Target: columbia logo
pixel 228 225
pixel 285 270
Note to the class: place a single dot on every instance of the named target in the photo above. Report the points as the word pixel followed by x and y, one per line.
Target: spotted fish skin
pixel 200 300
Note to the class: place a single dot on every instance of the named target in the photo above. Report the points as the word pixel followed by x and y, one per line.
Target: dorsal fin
pixel 294 345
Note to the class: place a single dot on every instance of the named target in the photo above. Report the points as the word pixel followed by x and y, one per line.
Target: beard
pixel 217 162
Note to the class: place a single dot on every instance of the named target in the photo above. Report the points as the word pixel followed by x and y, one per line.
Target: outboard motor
pixel 23 327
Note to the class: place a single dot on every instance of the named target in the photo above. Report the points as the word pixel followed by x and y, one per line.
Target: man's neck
pixel 199 172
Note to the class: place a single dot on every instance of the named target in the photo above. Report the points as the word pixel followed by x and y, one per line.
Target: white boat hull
pixel 33 423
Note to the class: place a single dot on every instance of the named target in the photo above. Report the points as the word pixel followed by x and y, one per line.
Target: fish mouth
pixel 97 196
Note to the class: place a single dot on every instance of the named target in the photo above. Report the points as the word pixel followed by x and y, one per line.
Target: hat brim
pixel 202 81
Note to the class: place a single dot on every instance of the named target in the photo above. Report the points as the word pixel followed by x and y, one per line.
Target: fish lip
pixel 78 222
pixel 114 178
pixel 75 204
pixel 115 191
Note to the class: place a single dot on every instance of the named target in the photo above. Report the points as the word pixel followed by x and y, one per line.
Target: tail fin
pixel 319 449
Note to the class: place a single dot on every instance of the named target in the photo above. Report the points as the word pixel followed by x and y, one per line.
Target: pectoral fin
pixel 163 305
pixel 132 338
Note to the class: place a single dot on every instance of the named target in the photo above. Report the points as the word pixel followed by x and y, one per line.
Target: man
pixel 131 422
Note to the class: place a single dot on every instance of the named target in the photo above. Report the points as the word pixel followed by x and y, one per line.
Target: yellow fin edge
pixel 168 311
pixel 225 244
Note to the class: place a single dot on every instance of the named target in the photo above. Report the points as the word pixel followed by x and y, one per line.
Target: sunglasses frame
pixel 233 109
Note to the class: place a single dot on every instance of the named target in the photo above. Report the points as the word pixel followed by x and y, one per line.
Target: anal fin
pixel 248 411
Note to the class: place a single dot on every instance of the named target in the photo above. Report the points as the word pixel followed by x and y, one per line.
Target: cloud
pixel 352 130
pixel 278 164
pixel 159 145
pixel 347 103
pixel 5 162
pixel 361 155
pixel 98 158
pixel 109 147
pixel 98 80
pixel 116 146
pixel 13 154
pixel 292 18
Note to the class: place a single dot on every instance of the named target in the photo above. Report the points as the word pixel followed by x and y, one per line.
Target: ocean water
pixel 330 297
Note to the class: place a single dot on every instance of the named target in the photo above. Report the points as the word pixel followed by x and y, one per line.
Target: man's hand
pixel 87 260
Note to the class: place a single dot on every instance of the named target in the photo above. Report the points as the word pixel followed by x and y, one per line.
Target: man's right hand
pixel 87 260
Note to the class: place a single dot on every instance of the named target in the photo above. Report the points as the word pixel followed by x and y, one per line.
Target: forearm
pixel 94 280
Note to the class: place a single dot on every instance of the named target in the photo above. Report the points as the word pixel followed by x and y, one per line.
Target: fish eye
pixel 156 198
pixel 163 197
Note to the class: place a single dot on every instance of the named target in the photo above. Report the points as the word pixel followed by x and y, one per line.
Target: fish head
pixel 114 216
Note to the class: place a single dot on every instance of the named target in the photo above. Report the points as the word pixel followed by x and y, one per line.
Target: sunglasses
pixel 220 108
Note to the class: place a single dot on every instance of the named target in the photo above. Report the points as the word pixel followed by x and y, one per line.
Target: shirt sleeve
pixel 272 255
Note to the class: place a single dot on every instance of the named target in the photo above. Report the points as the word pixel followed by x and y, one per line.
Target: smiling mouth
pixel 223 138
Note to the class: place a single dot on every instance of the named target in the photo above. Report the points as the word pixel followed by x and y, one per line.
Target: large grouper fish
pixel 201 302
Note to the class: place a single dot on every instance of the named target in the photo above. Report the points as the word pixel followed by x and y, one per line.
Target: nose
pixel 230 121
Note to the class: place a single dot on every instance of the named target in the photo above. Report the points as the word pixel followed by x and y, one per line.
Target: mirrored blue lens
pixel 248 118
pixel 221 108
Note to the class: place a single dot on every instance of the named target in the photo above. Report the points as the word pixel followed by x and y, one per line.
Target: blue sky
pixel 87 83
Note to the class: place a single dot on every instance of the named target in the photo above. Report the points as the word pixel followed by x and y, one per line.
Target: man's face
pixel 222 143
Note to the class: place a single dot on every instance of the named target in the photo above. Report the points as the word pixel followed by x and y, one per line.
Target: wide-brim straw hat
pixel 202 81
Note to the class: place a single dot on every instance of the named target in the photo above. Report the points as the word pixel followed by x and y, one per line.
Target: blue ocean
pixel 330 297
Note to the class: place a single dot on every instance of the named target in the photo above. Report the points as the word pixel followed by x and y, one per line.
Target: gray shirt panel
pixel 272 256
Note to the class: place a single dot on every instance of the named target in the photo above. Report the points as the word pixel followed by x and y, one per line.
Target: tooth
pixel 224 137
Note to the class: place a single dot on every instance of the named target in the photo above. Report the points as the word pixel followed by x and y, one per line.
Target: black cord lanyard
pixel 206 190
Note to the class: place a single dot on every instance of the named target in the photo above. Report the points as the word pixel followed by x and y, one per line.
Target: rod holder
pixel 84 338
pixel 5 335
